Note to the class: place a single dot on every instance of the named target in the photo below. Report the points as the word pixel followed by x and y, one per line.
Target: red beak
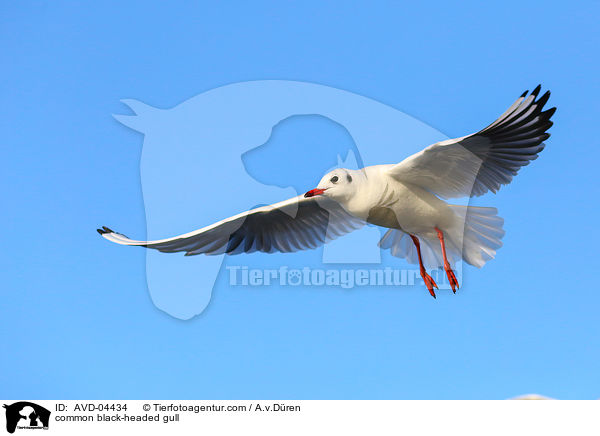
pixel 314 192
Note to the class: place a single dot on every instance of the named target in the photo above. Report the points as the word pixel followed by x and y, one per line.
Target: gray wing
pixel 295 224
pixel 484 161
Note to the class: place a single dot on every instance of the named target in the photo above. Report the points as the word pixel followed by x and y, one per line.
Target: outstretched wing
pixel 295 224
pixel 484 161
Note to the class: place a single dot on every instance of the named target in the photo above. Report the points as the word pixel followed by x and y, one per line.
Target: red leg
pixel 449 272
pixel 426 277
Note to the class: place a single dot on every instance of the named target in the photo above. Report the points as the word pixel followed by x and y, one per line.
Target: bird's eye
pixel 334 179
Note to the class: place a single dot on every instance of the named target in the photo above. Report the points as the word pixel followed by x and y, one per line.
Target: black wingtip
pixel 104 230
pixel 537 90
pixel 548 113
pixel 524 94
pixel 541 102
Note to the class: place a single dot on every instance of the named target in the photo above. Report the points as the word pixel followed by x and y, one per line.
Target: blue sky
pixel 77 318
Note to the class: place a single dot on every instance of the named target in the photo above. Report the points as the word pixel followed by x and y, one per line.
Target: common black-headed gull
pixel 407 198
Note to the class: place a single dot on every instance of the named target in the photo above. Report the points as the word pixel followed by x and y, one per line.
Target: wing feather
pixel 484 161
pixel 296 224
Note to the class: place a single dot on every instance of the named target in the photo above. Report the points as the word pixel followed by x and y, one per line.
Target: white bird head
pixel 338 184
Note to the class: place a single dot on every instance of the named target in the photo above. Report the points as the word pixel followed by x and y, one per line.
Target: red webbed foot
pixel 451 278
pixel 430 283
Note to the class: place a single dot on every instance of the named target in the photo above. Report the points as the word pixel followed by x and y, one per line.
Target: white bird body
pixel 407 198
pixel 385 201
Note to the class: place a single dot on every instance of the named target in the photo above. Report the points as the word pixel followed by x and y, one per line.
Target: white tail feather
pixel 475 239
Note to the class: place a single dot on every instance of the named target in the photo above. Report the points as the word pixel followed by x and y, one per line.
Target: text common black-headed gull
pixel 407 198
